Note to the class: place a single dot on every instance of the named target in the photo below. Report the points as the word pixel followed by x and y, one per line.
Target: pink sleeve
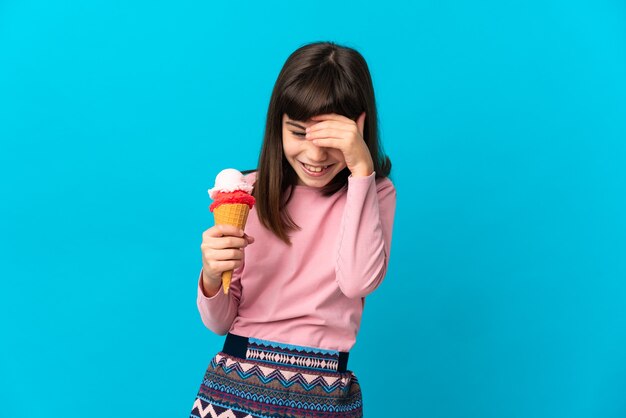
pixel 218 311
pixel 365 235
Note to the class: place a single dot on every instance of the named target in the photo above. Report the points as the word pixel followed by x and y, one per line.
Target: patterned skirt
pixel 253 378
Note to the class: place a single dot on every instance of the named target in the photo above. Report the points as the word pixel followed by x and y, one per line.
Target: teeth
pixel 314 169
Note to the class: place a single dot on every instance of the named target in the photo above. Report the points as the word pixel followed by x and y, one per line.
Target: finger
pixel 216 235
pixel 249 238
pixel 224 254
pixel 220 230
pixel 329 142
pixel 225 265
pixel 224 242
pixel 360 123
pixel 329 133
pixel 347 125
pixel 331 116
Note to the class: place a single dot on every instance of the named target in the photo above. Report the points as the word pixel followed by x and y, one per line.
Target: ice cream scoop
pixel 229 180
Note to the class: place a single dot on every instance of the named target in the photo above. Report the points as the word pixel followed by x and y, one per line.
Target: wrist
pixel 362 172
pixel 210 287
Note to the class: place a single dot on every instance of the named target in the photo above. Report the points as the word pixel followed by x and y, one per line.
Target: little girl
pixel 317 243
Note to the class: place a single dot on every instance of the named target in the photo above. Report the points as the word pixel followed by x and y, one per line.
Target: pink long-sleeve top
pixel 313 292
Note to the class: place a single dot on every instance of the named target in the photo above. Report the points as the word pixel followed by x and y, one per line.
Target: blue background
pixel 506 125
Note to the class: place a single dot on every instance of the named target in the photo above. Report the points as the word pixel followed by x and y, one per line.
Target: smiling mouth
pixel 315 169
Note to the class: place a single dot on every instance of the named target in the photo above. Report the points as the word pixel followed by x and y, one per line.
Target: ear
pixel 360 122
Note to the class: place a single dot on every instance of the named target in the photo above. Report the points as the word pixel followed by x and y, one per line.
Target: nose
pixel 316 154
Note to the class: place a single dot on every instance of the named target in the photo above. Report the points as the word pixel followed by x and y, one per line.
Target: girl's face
pixel 302 153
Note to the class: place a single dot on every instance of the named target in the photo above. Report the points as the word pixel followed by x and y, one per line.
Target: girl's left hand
pixel 338 131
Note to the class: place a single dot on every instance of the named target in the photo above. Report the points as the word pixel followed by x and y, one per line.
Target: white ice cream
pixel 229 180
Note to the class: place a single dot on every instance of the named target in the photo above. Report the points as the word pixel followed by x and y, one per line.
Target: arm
pixel 365 235
pixel 219 311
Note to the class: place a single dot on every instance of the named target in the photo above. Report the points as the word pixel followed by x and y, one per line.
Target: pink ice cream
pixel 230 187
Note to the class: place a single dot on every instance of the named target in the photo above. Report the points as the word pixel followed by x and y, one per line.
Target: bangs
pixel 318 91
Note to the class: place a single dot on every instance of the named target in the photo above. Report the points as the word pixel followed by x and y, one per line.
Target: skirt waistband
pixel 285 354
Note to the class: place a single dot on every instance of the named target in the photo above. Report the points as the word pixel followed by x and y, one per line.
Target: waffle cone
pixel 231 214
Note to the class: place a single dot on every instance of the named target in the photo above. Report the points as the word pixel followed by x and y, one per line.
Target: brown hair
pixel 317 78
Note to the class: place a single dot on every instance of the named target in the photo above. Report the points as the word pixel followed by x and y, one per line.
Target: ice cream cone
pixel 231 203
pixel 232 214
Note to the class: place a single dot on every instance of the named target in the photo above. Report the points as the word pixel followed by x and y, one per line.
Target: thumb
pixel 360 123
pixel 249 238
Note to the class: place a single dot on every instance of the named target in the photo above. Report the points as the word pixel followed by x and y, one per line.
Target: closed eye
pixel 298 133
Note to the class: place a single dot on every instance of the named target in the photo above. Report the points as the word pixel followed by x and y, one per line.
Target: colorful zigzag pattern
pixel 251 388
pixel 287 378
